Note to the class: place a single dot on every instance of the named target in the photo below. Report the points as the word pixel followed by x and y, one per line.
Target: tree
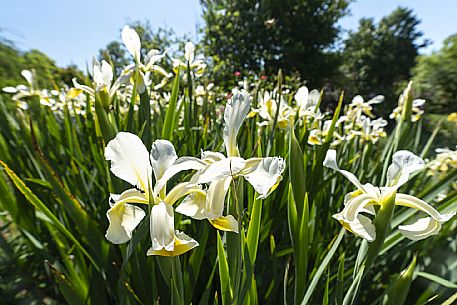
pixel 436 75
pixel 266 35
pixel 378 58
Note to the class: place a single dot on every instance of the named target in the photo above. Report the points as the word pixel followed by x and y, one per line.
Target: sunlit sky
pixel 74 31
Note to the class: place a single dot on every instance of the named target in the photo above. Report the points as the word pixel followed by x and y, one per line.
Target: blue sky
pixel 74 31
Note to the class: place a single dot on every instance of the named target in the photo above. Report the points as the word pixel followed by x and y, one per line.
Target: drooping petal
pixel 123 219
pixel 225 223
pixel 84 88
pixel 357 205
pixel 360 226
pixel 363 227
pixel 162 227
pixel 183 243
pixel 330 162
pixel 418 204
pixel 222 169
pixel 129 160
pixel 235 112
pixel 266 176
pixel 421 229
pixel 163 155
pixel 132 42
pixel 403 164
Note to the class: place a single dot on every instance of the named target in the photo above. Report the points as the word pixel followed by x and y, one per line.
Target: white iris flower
pixel 133 44
pixel 217 170
pixel 131 162
pixel 367 196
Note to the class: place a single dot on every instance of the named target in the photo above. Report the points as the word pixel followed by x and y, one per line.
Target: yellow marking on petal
pixel 73 92
pixel 225 223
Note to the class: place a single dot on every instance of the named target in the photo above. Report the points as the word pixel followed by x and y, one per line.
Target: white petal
pixel 132 42
pixel 194 205
pixel 376 100
pixel 27 74
pixel 107 73
pixel 266 175
pixel 403 164
pixel 86 89
pixel 123 219
pixel 215 197
pixel 363 227
pixel 421 229
pixel 314 97
pixel 211 156
pixel 181 164
pixel 9 90
pixel 163 155
pixel 301 97
pixel 330 161
pixel 357 205
pixel 235 112
pixel 416 203
pixel 129 196
pixel 189 52
pixel 225 223
pixel 181 190
pixel 129 159
pixel 162 227
pixel 222 169
pixel 418 102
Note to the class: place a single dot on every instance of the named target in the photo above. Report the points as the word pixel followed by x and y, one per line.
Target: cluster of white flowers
pixel 204 194
pixel 54 99
pixel 416 110
pixel 446 159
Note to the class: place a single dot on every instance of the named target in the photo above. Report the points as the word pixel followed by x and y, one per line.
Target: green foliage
pixel 377 58
pixel 55 183
pixel 435 75
pixel 261 37
pixel 13 61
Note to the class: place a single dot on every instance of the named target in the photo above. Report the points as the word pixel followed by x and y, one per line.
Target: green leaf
pixel 437 279
pixel 321 268
pixel 224 275
pixel 169 123
pixel 40 206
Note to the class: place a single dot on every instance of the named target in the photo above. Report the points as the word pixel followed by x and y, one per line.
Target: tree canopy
pixel 436 75
pixel 263 36
pixel 378 57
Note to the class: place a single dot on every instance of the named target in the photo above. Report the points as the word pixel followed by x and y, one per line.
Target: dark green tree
pixel 262 36
pixel 378 57
pixel 436 75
